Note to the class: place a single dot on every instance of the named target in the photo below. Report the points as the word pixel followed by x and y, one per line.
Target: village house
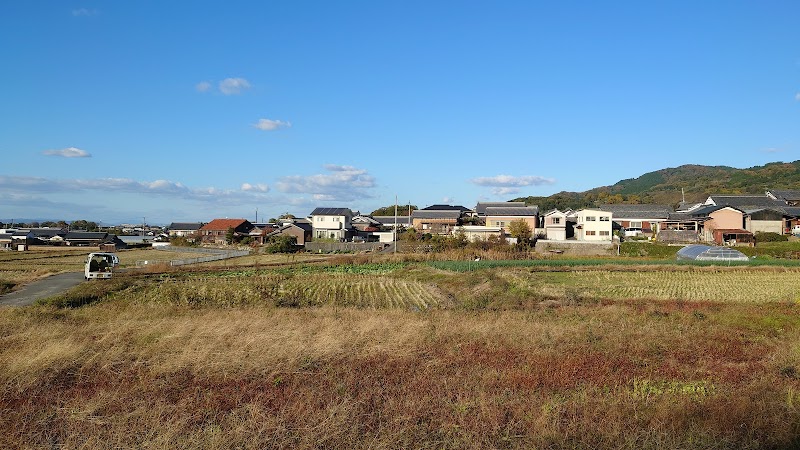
pixel 216 231
pixel 637 220
pixel 480 208
pixel 332 223
pixel 301 231
pixel 593 225
pixel 437 219
pixel 723 225
pixel 502 216
pixel 183 229
pixel 556 226
pixel 475 233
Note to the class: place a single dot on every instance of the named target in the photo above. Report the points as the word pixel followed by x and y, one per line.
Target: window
pixel 336 219
pixel 556 220
pixel 590 218
pixel 605 233
pixel 604 218
pixel 499 224
pixel 635 224
pixel 590 232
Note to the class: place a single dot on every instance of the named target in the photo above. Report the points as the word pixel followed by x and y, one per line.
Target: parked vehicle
pixel 796 230
pixel 100 265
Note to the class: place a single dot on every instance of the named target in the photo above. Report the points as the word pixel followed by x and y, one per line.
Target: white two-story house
pixel 332 223
pixel 593 225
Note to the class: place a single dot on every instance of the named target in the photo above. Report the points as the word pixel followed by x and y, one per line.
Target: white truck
pixel 100 265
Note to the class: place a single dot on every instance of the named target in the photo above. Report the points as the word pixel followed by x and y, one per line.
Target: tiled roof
pixel 85 235
pixel 512 211
pixel 480 208
pixel 706 210
pixel 745 202
pixel 785 194
pixel 332 212
pixel 389 220
pixel 438 214
pixel 647 211
pixel 446 208
pixel 188 226
pixel 223 224
pixel 793 211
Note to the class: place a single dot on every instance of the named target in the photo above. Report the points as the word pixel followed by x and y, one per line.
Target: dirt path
pixel 43 288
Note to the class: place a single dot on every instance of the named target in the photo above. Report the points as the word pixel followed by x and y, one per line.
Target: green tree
pixel 520 230
pixel 402 210
pixel 280 244
pixel 230 235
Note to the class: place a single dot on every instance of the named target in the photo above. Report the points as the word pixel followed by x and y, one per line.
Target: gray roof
pixel 785 194
pixel 746 202
pixel 480 208
pixel 389 220
pixel 647 211
pixel 332 212
pixel 512 211
pixel 706 210
pixel 189 226
pixel 458 208
pixel 793 211
pixel 423 214
pixel 86 235
pixel 365 219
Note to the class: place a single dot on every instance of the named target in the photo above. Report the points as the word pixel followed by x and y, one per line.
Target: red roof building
pixel 216 231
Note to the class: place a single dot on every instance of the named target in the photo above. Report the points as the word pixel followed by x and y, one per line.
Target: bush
pixel 280 244
pixel 770 237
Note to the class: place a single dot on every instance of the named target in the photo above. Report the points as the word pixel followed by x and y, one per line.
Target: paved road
pixel 43 288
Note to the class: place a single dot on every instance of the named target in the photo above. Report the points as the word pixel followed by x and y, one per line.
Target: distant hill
pixel 664 186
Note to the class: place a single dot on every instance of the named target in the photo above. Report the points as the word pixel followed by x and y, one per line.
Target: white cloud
pixel 69 152
pixel 20 185
pixel 448 200
pixel 512 181
pixel 270 125
pixel 203 86
pixel 247 187
pixel 771 150
pixel 343 183
pixel 231 86
pixel 505 191
pixel 84 12
pixel 797 96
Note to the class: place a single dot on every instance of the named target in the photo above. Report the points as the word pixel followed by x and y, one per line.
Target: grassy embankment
pixel 410 355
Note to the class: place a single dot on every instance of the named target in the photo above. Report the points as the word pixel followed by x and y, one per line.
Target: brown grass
pixel 636 374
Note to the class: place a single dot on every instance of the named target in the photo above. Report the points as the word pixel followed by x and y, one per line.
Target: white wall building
pixel 593 225
pixel 331 223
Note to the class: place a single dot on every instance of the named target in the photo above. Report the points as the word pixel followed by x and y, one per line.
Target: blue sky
pixel 186 111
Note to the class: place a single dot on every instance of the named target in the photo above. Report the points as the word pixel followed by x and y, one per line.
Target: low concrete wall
pixel 576 248
pixel 347 247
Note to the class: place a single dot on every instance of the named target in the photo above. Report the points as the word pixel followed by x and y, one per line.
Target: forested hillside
pixel 664 186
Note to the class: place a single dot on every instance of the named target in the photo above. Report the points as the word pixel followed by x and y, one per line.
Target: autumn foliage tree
pixel 521 230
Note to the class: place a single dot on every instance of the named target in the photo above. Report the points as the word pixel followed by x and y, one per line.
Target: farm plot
pixel 745 286
pixel 317 289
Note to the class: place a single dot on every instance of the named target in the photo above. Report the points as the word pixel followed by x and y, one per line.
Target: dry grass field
pixel 22 267
pixel 405 355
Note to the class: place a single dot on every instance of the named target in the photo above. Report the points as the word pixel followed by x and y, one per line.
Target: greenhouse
pixel 710 253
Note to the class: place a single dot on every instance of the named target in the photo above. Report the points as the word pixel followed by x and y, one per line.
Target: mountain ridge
pixel 664 186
